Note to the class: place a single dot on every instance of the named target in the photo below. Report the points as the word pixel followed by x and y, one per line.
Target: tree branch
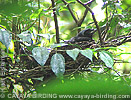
pixel 56 22
pixel 78 22
pixel 70 11
pixel 82 19
pixel 98 29
pixel 85 13
pixel 118 41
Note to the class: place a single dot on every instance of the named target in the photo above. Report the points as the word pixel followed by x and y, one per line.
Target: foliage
pixel 58 64
pixel 5 38
pixel 40 54
pixel 107 58
pixel 38 32
pixel 73 53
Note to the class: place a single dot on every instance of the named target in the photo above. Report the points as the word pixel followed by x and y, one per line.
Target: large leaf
pixel 5 38
pixel 107 58
pixel 25 36
pixel 41 55
pixel 73 53
pixel 88 53
pixel 58 64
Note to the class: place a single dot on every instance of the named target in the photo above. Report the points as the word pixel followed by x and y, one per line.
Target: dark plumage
pixel 84 35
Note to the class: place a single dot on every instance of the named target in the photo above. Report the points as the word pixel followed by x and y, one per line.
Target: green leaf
pixel 114 22
pixel 123 53
pixel 36 13
pixel 76 28
pixel 40 78
pixel 63 8
pixel 107 58
pixel 40 54
pixel 88 53
pixel 73 53
pixel 106 48
pixel 71 1
pixel 118 5
pixel 5 38
pixel 25 37
pixel 58 45
pixel 58 64
pixel 58 1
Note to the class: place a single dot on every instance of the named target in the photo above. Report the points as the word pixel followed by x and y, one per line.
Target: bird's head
pixel 86 33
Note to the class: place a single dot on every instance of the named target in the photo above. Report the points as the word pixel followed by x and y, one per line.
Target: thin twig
pixel 75 70
pixel 98 29
pixel 85 13
pixel 82 19
pixel 3 27
pixel 68 6
pixel 39 17
pixel 121 77
pixel 107 24
pixel 30 26
pixel 56 22
pixel 78 21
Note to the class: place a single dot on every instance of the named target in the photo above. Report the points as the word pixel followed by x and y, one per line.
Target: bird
pixel 84 35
